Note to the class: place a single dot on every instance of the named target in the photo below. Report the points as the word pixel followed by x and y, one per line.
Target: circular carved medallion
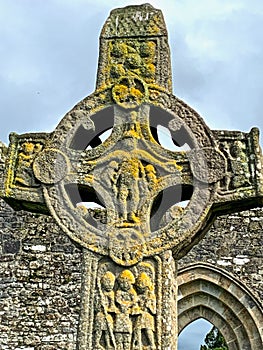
pixel 50 166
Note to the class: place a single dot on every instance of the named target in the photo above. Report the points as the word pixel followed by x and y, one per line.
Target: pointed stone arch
pixel 205 291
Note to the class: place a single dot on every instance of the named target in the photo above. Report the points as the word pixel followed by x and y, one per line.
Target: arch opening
pixel 169 203
pixel 205 291
pixel 193 335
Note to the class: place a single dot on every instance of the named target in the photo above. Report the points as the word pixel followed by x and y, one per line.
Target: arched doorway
pixel 205 291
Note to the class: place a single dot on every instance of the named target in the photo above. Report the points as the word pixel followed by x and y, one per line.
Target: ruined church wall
pixel 234 244
pixel 40 280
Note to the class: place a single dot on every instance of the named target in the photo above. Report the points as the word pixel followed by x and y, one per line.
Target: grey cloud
pixel 49 60
pixel 224 86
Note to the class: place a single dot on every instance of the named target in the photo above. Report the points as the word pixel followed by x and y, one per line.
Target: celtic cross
pixel 152 204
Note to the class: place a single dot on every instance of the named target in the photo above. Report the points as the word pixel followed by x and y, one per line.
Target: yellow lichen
pixel 143 280
pixel 127 275
pixel 137 93
pixel 108 276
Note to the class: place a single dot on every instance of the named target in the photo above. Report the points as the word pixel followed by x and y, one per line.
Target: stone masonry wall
pixel 40 281
pixel 40 275
pixel 234 243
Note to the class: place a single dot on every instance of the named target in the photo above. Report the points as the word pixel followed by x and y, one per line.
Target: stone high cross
pixel 153 204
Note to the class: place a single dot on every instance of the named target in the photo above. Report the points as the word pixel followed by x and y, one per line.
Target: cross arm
pixel 19 187
pixel 242 184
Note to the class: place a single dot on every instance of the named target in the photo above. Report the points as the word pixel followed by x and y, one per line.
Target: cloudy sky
pixel 49 51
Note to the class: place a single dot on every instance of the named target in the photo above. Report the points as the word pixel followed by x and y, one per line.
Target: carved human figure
pixel 240 174
pixel 132 128
pixel 108 177
pixel 133 58
pixel 126 299
pixel 240 165
pixel 105 306
pixel 24 174
pixel 147 308
pixel 130 174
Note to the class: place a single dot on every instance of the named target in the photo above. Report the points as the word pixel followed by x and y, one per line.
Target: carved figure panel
pixel 238 174
pixel 125 307
pixel 24 175
pixel 242 153
pixel 134 179
pixel 131 57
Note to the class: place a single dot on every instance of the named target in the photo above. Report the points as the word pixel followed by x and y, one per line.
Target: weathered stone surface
pixel 40 286
pixel 207 291
pixel 234 243
pixel 131 243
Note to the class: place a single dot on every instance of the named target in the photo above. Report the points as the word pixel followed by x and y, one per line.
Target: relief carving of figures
pixel 125 309
pixel 130 174
pixel 144 324
pixel 126 299
pixel 239 174
pixel 105 306
pixel 127 183
pixel 109 177
pixel 151 178
pixel 133 57
pixel 133 128
pixel 24 175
